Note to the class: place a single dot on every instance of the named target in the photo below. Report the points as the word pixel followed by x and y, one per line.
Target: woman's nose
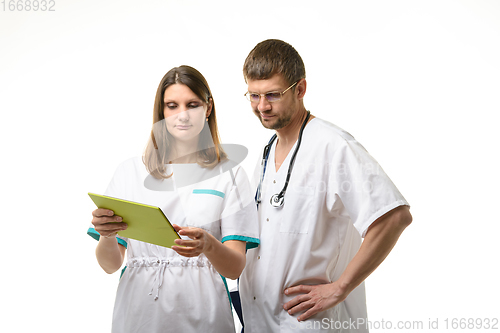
pixel 183 115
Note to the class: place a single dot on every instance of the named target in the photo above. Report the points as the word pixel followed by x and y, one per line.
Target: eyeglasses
pixel 272 96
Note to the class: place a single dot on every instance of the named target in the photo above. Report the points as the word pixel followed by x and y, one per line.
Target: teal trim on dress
pixel 95 235
pixel 252 245
pixel 213 192
pixel 228 294
pixel 251 242
pixel 123 271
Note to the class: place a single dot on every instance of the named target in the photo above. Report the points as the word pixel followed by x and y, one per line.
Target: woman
pixel 186 173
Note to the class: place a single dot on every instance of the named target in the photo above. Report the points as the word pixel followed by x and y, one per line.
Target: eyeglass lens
pixel 271 97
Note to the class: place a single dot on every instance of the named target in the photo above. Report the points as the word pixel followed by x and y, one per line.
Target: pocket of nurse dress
pixel 204 208
pixel 296 215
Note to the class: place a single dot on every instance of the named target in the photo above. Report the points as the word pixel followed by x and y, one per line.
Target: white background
pixel 416 82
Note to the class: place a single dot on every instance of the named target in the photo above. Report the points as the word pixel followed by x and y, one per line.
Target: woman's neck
pixel 183 152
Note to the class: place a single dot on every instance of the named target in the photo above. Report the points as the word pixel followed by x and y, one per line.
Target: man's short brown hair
pixel 274 56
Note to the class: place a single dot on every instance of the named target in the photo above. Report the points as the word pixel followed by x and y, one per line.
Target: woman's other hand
pixel 228 258
pixel 200 241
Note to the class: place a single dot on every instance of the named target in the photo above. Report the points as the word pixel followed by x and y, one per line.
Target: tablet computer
pixel 145 223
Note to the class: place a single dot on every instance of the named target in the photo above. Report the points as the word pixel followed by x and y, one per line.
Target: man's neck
pixel 290 133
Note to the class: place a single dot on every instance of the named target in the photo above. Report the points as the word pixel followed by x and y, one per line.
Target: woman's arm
pixel 228 258
pixel 109 253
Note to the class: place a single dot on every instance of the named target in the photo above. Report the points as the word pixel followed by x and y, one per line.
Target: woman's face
pixel 184 113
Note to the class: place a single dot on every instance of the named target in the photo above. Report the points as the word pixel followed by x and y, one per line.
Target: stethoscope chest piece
pixel 277 201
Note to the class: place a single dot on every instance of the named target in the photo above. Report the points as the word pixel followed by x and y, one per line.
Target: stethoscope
pixel 278 199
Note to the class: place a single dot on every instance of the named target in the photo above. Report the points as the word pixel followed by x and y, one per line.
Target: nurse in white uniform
pixel 185 172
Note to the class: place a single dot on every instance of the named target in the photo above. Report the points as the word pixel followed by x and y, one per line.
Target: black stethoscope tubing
pixel 277 200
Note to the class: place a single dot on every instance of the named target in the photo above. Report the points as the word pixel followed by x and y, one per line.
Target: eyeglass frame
pixel 247 94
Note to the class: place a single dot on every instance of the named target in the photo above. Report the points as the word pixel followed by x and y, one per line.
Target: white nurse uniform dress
pixel 159 290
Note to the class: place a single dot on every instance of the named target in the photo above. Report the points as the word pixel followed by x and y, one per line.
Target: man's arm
pixel 379 240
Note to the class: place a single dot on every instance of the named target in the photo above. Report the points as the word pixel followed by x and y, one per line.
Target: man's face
pixel 276 115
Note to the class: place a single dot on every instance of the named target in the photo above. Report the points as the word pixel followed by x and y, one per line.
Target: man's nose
pixel 263 105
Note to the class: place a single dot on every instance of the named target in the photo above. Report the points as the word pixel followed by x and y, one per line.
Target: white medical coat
pixel 336 191
pixel 161 291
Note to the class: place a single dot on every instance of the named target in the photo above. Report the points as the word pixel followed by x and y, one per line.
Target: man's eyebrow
pixel 267 92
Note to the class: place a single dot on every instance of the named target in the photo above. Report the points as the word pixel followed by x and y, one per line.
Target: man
pixel 307 274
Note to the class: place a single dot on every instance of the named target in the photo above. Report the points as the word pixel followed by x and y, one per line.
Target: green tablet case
pixel 145 223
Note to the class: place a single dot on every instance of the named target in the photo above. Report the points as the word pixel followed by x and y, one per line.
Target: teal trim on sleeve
pixel 213 192
pixel 95 235
pixel 122 242
pixel 251 242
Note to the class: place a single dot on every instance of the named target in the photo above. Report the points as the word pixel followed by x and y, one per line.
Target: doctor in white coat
pixel 319 193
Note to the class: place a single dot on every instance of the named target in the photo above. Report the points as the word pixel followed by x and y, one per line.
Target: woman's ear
pixel 209 107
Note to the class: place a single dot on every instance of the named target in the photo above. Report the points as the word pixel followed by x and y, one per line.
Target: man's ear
pixel 301 88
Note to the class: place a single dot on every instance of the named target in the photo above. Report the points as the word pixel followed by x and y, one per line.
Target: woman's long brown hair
pixel 157 151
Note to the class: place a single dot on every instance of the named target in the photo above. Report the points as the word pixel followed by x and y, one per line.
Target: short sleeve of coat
pixel 239 214
pixel 365 190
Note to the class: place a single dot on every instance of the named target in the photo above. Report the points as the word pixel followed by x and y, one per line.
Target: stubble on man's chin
pixel 278 124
